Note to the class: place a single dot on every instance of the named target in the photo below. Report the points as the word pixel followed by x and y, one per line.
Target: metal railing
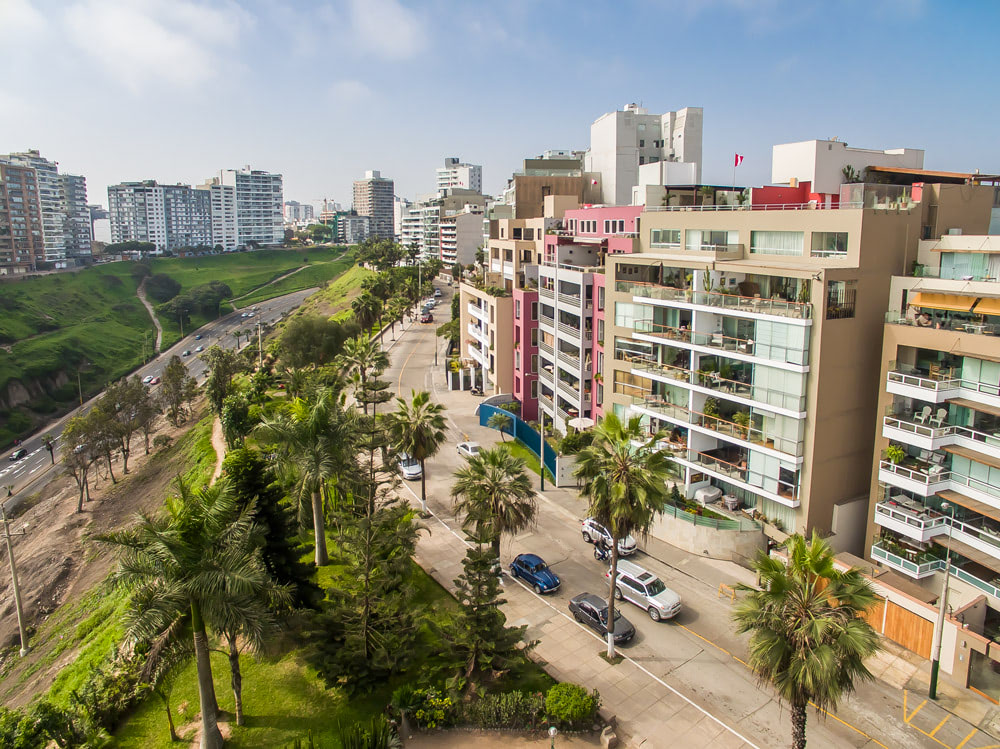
pixel 569 391
pixel 569 359
pixel 910 518
pixel 811 206
pixel 719 524
pixel 577 268
pixel 920 566
pixel 946 430
pixel 941 383
pixel 717 299
pixel 722 342
pixel 478 312
pixel 961 326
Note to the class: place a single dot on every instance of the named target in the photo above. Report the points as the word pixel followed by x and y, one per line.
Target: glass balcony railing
pixel 722 342
pixel 929 431
pixel 944 380
pixel 778 307
pixel 918 564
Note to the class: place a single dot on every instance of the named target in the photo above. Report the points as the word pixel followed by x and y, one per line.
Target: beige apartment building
pixel 753 338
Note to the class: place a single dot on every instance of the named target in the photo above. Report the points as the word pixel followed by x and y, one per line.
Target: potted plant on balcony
pixel 895 454
pixel 742 420
pixel 711 407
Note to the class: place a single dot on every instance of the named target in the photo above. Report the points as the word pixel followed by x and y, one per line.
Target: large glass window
pixel 705 239
pixel 776 242
pixel 829 243
pixel 668 237
pixel 626 313
pixel 841 297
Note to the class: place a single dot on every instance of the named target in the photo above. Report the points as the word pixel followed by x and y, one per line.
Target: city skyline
pixel 154 98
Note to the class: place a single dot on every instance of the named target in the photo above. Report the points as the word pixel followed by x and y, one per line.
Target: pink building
pixel 526 352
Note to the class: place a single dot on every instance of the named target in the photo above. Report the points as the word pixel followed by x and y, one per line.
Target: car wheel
pixel 618 593
pixel 577 617
pixel 654 614
pixel 537 588
pixel 586 537
pixel 513 571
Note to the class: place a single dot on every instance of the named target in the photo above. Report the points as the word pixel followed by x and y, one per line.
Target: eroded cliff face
pixel 23 392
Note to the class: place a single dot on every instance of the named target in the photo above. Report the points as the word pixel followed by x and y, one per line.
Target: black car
pixel 592 610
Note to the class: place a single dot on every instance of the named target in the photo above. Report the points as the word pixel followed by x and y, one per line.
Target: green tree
pixel 177 389
pixel 236 419
pixel 79 455
pixel 495 495
pixel 501 422
pixel 124 405
pixel 314 340
pixel 364 361
pixel 199 559
pixel 808 635
pixel 625 484
pixel 314 443
pixel 223 364
pixel 417 427
pixel 366 309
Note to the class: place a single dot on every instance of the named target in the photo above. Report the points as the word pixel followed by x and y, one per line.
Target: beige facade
pixel 753 338
pixel 487 337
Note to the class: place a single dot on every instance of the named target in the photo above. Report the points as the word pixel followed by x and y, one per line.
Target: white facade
pixel 259 203
pixel 460 235
pixel 50 196
pixel 169 216
pixel 822 162
pixel 623 141
pixel 222 199
pixel 455 174
pixel 399 208
pixel 296 212
pixel 355 229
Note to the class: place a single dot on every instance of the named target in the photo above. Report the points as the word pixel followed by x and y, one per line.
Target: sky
pixel 175 90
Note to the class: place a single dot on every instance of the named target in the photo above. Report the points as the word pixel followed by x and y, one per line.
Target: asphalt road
pixel 18 475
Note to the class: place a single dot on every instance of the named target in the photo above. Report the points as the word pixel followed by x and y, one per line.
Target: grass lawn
pixel 315 274
pixel 335 299
pixel 519 450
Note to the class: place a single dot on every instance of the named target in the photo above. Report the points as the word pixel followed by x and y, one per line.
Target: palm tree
pixel 362 358
pixel 625 479
pixel 417 428
pixel 500 421
pixel 314 448
pixel 366 310
pixel 201 559
pixel 494 493
pixel 807 634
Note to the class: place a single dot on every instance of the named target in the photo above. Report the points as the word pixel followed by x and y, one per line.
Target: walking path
pixel 219 443
pixel 141 293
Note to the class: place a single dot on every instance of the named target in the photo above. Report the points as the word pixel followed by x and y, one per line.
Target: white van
pixel 645 590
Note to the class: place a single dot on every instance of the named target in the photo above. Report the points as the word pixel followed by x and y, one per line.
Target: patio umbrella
pixel 580 422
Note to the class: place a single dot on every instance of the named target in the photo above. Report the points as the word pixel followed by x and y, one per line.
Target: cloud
pixel 350 91
pixel 387 29
pixel 142 43
pixel 19 17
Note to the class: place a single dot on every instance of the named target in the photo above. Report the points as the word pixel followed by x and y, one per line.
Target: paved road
pixel 21 473
pixel 698 654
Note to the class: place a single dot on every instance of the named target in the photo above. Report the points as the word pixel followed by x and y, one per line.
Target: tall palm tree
pixel 495 494
pixel 201 559
pixel 501 422
pixel 314 448
pixel 366 310
pixel 625 480
pixel 417 428
pixel 807 634
pixel 362 359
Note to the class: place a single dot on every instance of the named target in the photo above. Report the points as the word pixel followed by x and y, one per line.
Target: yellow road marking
pixel 705 639
pixel 966 739
pixel 938 726
pixel 908 718
pixel 828 714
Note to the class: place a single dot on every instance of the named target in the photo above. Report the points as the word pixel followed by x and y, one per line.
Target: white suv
pixel 645 590
pixel 594 532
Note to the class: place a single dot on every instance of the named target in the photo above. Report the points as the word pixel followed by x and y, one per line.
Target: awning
pixel 988 306
pixel 982 407
pixel 978 457
pixel 953 302
pixel 970 504
pixel 970 553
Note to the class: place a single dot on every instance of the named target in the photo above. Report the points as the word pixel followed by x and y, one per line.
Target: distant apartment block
pixel 461 235
pixel 462 176
pixel 259 201
pixel 222 201
pixel 296 212
pixel 353 229
pixel 623 142
pixel 421 221
pixel 169 216
pixel 50 195
pixel 822 163
pixel 22 245
pixel 77 230
pixel 374 196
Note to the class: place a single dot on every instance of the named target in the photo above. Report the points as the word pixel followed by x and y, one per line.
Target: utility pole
pixel 180 319
pixel 942 608
pixel 79 386
pixel 260 348
pixel 7 533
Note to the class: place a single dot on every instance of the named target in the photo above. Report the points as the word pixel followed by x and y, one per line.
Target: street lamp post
pixel 553 732
pixel 943 604
pixel 7 533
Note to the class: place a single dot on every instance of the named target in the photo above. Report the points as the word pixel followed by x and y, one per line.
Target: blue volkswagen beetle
pixel 532 569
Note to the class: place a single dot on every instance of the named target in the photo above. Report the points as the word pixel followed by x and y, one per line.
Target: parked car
pixel 186 352
pixel 147 379
pixel 155 381
pixel 594 532
pixel 468 449
pixel 427 317
pixel 18 454
pixel 533 570
pixel 592 610
pixel 647 591
pixel 437 292
pixel 409 467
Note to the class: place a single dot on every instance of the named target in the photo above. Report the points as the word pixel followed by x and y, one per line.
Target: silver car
pixel 409 467
pixel 647 591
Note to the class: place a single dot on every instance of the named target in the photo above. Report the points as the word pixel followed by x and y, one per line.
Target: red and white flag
pixel 737 161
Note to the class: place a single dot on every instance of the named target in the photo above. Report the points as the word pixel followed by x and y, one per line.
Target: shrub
pixel 571 705
pixel 161 441
pixel 433 709
pixel 895 454
pixel 508 710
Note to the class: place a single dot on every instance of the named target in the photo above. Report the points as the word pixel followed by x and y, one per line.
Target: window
pixel 534 310
pixel 534 388
pixel 534 363
pixel 600 297
pixel 534 336
pixel 829 243
pixel 517 359
pixel 600 331
pixel 668 237
pixel 517 309
pixel 642 144
pixel 841 297
pixel 776 242
pixel 642 160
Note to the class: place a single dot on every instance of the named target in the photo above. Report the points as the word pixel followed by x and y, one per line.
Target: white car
pixel 147 379
pixel 469 449
pixel 409 467
pixel 594 532
pixel 645 590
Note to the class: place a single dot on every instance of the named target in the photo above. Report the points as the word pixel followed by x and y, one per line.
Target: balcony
pixel 479 313
pixel 569 391
pixel 545 348
pixel 920 478
pixel 911 519
pixel 546 293
pixel 916 564
pixel 934 433
pixel 717 299
pixel 478 334
pixel 570 360
pixel 720 342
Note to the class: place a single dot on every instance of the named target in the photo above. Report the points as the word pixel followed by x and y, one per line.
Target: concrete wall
pixel 735 546
pixel 822 162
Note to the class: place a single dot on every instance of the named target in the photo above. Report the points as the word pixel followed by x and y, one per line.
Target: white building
pixel 400 206
pixel 50 195
pixel 822 162
pixel 354 229
pixel 259 202
pixel 622 142
pixel 77 230
pixel 456 174
pixel 374 196
pixel 222 199
pixel 460 235
pixel 169 216
pixel 296 212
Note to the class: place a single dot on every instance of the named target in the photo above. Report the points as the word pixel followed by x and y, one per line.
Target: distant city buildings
pixel 222 203
pixel 21 244
pixel 462 176
pixel 298 213
pixel 169 216
pixel 77 231
pixel 373 196
pixel 259 201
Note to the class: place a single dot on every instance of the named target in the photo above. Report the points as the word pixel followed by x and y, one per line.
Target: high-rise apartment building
pixel 259 202
pixel 624 141
pixel 21 241
pixel 78 233
pixel 169 216
pixel 461 234
pixel 420 223
pixel 373 196
pixel 50 196
pixel 222 200
pixel 296 212
pixel 457 175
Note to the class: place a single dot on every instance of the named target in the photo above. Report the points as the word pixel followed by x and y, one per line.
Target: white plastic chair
pixel 921 418
pixel 939 417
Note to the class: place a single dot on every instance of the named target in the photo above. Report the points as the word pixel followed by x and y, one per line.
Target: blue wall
pixel 523 433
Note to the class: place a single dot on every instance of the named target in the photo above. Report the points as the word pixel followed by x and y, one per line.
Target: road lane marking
pixel 939 725
pixel 966 739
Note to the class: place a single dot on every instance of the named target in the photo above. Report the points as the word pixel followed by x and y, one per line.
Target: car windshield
pixel 604 615
pixel 656 587
pixel 540 567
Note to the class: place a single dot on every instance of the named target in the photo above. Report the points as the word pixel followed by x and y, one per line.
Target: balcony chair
pixel 921 418
pixel 939 417
pixel 937 459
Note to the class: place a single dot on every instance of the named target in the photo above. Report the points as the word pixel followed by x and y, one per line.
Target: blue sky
pixel 320 91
